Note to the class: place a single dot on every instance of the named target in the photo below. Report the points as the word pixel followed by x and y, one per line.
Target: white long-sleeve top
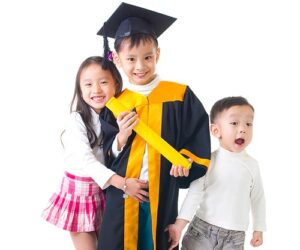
pixel 79 158
pixel 143 90
pixel 224 196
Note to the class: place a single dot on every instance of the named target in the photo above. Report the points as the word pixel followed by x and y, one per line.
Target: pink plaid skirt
pixel 78 205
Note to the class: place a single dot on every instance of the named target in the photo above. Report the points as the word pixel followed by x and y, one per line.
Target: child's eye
pixel 148 57
pixel 234 123
pixel 130 59
pixel 88 84
pixel 103 82
pixel 249 124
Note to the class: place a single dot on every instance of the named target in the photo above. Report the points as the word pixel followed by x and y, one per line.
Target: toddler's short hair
pixel 227 103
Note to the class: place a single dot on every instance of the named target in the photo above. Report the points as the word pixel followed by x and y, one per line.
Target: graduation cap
pixel 129 19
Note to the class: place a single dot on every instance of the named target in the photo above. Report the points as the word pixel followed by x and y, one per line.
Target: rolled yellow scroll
pixel 151 137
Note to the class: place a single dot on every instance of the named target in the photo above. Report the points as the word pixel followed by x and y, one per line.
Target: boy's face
pixel 139 62
pixel 233 128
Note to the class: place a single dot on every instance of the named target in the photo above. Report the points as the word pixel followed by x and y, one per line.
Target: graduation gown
pixel 174 112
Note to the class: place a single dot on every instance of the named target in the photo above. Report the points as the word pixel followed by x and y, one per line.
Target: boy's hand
pixel 257 239
pixel 175 231
pixel 126 122
pixel 179 170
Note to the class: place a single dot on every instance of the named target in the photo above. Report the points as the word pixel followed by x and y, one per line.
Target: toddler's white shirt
pixel 231 186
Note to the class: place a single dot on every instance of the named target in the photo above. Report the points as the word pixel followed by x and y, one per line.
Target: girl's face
pixel 233 128
pixel 97 86
pixel 139 62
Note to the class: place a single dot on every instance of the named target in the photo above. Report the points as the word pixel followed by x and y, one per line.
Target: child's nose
pixel 139 65
pixel 242 129
pixel 97 88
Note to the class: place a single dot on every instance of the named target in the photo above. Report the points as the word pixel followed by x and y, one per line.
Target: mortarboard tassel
pixel 107 55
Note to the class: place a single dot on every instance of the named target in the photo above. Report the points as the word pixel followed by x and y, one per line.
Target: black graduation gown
pixel 174 112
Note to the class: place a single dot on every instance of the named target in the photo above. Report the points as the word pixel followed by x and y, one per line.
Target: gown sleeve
pixel 109 129
pixel 194 137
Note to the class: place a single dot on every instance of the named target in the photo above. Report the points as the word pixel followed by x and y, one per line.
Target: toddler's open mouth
pixel 240 141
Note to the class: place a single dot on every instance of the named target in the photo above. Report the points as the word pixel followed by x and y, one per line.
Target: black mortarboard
pixel 128 20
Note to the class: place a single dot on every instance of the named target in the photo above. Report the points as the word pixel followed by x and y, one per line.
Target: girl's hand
pixel 135 188
pixel 132 187
pixel 126 122
pixel 179 170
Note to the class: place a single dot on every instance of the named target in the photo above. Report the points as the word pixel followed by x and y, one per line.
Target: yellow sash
pixel 150 136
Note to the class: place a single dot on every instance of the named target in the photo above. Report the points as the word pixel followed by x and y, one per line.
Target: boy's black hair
pixel 227 103
pixel 135 41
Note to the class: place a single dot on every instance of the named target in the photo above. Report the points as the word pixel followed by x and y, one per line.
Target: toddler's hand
pixel 175 231
pixel 257 239
pixel 174 235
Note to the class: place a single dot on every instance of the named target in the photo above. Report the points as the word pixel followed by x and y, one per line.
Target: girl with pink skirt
pixel 78 204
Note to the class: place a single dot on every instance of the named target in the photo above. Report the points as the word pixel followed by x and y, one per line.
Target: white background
pixel 219 48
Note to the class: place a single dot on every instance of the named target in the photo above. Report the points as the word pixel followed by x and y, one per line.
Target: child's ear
pixel 116 59
pixel 157 54
pixel 215 130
